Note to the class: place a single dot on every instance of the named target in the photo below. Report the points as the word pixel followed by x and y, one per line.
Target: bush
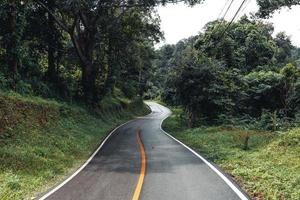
pixel 24 88
pixel 129 89
pixel 4 83
pixel 263 92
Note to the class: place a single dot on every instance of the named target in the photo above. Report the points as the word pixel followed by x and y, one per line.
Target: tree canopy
pixel 77 49
pixel 245 73
pixel 267 7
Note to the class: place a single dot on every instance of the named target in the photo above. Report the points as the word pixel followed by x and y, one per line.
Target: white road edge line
pixel 88 161
pixel 227 181
pixel 85 164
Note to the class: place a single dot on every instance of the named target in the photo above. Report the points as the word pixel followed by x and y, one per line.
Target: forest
pixel 234 92
pixel 244 76
pixel 81 51
pixel 235 98
pixel 76 50
pixel 72 71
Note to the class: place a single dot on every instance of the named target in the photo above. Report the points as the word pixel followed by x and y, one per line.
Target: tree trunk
pixel 84 48
pixel 88 83
pixel 12 55
pixel 140 90
pixel 51 72
pixel 110 80
pixel 191 120
pixel 83 40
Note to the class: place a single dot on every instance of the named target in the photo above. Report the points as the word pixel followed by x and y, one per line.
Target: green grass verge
pixel 41 142
pixel 269 169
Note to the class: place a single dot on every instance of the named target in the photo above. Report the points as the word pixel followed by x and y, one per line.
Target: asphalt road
pixel 172 171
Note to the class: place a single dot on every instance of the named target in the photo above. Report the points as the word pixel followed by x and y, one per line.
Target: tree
pixel 52 42
pixel 263 92
pixel 12 20
pixel 86 22
pixel 267 7
pixel 248 44
pixel 285 47
pixel 202 88
pixel 290 98
pixel 13 40
pixel 239 75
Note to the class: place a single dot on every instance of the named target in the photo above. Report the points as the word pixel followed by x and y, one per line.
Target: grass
pixel 269 169
pixel 41 142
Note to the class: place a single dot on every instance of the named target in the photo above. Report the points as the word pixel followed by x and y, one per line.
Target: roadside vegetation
pixel 248 75
pixel 268 167
pixel 43 141
pixel 235 94
pixel 71 70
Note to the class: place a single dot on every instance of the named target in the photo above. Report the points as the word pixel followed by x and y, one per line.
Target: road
pixel 140 161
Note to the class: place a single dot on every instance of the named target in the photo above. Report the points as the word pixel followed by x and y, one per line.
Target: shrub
pixel 4 82
pixel 24 88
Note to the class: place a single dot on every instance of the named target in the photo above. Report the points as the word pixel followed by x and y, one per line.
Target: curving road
pixel 141 161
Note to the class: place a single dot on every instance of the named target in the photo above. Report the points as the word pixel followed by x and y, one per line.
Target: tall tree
pixel 12 15
pixel 285 47
pixel 82 20
pixel 247 45
pixel 267 7
pixel 51 40
pixel 12 40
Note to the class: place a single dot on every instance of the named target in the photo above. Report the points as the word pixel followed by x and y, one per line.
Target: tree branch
pixel 84 20
pixel 75 42
pixel 58 21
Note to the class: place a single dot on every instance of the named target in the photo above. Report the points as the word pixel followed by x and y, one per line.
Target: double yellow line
pixel 139 185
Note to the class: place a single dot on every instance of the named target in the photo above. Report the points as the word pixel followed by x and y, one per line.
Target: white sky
pixel 179 21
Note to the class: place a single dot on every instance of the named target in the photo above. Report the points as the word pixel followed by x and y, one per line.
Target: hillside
pixel 42 141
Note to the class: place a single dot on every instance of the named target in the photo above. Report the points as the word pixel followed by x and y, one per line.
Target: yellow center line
pixel 139 185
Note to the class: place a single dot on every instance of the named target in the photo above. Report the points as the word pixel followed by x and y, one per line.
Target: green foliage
pixel 285 47
pixel 203 90
pixel 247 45
pixel 43 54
pixel 263 91
pixel 23 88
pixel 246 74
pixel 4 83
pixel 266 7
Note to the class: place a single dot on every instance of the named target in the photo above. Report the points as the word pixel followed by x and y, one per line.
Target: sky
pixel 180 21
